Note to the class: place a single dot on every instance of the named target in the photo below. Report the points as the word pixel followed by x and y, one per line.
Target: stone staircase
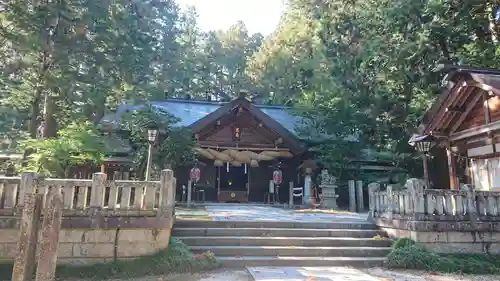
pixel 269 243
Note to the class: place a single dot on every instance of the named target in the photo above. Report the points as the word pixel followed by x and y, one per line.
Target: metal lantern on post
pixel 423 145
pixel 152 135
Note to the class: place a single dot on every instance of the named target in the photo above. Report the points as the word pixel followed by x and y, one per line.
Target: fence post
pixel 471 202
pixel 25 260
pixel 164 179
pixel 372 189
pixel 352 196
pixel 416 189
pixel 51 225
pixel 189 187
pixel 26 186
pixel 359 195
pixel 97 191
pixel 390 202
pixel 290 191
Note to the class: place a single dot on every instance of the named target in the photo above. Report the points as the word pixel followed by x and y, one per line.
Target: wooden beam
pixel 244 148
pixel 486 108
pixel 439 116
pixel 487 88
pixel 452 169
pixel 475 131
pixel 462 117
pixel 455 109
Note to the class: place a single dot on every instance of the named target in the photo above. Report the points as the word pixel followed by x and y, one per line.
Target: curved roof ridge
pixel 219 103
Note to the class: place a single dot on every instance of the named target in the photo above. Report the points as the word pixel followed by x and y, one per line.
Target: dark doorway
pixel 236 179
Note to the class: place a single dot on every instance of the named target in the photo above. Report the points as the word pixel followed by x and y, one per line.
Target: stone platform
pixel 244 235
pixel 241 212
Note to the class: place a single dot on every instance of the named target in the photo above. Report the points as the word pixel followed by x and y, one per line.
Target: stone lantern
pixel 328 188
pixel 308 166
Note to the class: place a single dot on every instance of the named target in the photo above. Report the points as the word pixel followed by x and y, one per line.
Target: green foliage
pixel 77 144
pixel 174 145
pixel 176 149
pixel 403 243
pixel 408 255
pixel 177 258
pixel 366 66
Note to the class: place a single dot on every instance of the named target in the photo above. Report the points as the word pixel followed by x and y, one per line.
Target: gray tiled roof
pixel 190 111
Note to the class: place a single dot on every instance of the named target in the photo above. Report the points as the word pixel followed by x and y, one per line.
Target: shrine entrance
pixel 234 184
pixel 239 146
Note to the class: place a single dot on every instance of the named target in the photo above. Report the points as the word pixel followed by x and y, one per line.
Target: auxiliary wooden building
pixel 465 121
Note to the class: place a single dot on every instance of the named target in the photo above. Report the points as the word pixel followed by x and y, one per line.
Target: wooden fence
pixel 418 203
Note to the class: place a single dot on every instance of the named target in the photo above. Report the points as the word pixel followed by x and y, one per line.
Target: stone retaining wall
pixel 124 219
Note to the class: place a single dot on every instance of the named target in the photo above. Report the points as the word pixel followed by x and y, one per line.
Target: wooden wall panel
pixel 475 118
pixel 248 136
pixel 494 105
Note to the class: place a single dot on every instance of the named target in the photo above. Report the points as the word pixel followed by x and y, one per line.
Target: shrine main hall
pixel 240 145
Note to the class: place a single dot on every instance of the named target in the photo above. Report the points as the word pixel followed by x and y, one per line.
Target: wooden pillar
pixel 426 170
pixel 352 196
pixel 452 169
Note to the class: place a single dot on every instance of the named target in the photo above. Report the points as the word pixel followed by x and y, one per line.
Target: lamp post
pixel 424 145
pixel 152 133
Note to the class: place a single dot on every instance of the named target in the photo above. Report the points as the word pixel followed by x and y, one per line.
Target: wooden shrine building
pixel 465 121
pixel 240 145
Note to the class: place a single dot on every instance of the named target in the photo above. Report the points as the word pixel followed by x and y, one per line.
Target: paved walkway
pixel 309 274
pixel 351 274
pixel 227 212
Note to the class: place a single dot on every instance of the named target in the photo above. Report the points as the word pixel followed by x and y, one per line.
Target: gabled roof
pixel 270 122
pixel 464 88
pixel 191 112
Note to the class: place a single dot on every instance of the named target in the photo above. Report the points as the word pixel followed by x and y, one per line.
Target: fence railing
pixel 97 193
pixel 433 204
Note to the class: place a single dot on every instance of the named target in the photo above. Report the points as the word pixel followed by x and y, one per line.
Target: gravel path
pixel 219 275
pixel 415 275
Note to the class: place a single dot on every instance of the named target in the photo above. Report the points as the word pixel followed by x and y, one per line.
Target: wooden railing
pixel 98 193
pixel 417 203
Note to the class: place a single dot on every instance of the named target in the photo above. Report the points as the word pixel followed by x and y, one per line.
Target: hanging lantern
pixel 218 163
pixel 424 143
pixel 277 177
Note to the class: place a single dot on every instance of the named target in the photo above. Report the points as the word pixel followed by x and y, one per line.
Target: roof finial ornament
pixel 242 94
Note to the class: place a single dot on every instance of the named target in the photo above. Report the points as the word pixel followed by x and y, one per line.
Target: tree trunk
pixel 50 123
pixel 35 111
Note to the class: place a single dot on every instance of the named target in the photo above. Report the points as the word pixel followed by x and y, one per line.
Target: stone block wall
pixel 445 221
pixel 96 245
pixel 125 219
pixel 447 237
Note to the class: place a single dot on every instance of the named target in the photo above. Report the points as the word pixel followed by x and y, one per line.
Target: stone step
pixel 241 262
pixel 293 251
pixel 283 241
pixel 275 224
pixel 275 232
